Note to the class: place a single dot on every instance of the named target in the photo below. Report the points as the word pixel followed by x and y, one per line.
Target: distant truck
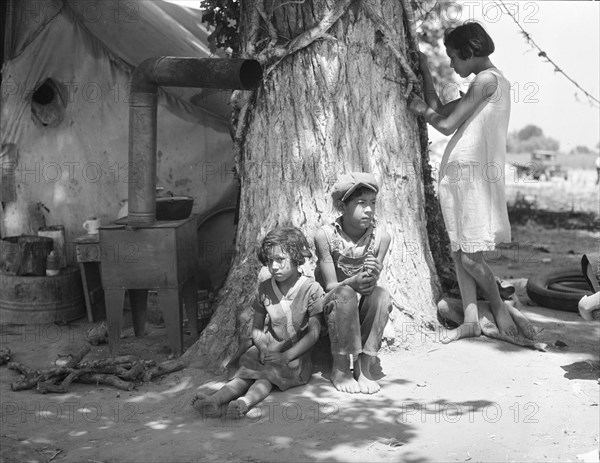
pixel 543 166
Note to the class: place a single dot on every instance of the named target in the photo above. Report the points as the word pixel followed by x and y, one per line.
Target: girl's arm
pixel 483 87
pixel 431 97
pixel 303 345
pixel 258 334
pixel 359 283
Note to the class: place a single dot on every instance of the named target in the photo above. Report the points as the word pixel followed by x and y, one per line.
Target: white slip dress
pixel 472 174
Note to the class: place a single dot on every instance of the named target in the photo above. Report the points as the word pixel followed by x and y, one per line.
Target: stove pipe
pixel 238 74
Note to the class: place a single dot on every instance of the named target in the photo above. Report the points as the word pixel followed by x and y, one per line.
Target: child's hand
pixel 416 104
pixel 279 346
pixel 372 266
pixel 363 283
pixel 275 357
pixel 262 352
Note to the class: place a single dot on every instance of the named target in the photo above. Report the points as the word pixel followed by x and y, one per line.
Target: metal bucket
pixel 27 300
pixel 25 254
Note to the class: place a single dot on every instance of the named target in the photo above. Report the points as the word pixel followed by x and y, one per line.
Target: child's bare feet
pixel 341 376
pixel 365 381
pixel 206 405
pixel 466 330
pixel 237 408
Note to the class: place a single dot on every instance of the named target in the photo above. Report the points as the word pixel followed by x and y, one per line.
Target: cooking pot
pixel 174 207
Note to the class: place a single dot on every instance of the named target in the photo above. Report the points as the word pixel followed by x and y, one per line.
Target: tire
pixel 579 287
pixel 559 290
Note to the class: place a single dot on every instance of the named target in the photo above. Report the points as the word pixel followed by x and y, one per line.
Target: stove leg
pixel 171 306
pixel 138 299
pixel 114 299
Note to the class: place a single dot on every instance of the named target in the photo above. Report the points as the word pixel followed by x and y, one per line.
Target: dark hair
pixel 358 192
pixel 292 242
pixel 469 39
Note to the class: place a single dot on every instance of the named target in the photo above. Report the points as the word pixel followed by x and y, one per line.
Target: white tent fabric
pixel 65 172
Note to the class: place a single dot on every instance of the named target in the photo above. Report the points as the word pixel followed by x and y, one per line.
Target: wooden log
pixel 134 373
pixel 119 372
pixel 78 357
pixel 163 368
pixel 116 370
pixel 31 381
pixel 44 387
pixel 110 380
pixel 28 382
pixel 5 355
pixel 23 369
pixel 148 363
pixel 121 360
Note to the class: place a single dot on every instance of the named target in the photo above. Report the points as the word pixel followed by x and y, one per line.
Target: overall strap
pixel 329 232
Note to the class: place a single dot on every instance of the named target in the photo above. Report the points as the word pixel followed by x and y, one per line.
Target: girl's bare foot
pixel 505 322
pixel 237 408
pixel 466 330
pixel 206 405
pixel 365 381
pixel 527 328
pixel 341 376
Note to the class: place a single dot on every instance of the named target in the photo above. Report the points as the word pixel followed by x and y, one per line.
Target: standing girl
pixel 280 355
pixel 471 185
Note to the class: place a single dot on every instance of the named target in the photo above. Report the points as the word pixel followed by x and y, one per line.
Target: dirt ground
pixel 473 400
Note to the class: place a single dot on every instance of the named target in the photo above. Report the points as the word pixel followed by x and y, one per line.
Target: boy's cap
pixel 349 183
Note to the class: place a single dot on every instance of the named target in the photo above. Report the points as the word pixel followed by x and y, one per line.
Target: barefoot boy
pixel 350 253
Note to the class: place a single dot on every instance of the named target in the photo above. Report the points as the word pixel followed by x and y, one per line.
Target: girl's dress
pixel 288 321
pixel 471 188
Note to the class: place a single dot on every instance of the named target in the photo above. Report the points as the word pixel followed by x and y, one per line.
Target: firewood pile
pixel 122 372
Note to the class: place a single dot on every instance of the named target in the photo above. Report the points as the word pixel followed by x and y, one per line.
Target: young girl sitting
pixel 280 355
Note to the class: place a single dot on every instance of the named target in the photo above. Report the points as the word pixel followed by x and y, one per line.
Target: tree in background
pixel 530 138
pixel 582 149
pixel 529 131
pixel 337 75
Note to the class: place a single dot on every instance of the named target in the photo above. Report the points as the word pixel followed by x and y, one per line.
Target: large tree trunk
pixel 335 104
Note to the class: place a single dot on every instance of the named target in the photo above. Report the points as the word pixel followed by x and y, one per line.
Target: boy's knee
pixel 344 295
pixel 382 297
pixel 380 293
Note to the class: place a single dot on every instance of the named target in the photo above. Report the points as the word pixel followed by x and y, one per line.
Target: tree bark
pixel 337 104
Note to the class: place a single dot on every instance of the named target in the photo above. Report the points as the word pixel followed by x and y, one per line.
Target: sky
pixel 568 31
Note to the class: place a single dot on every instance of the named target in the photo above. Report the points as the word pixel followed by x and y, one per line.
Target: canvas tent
pixel 64 120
